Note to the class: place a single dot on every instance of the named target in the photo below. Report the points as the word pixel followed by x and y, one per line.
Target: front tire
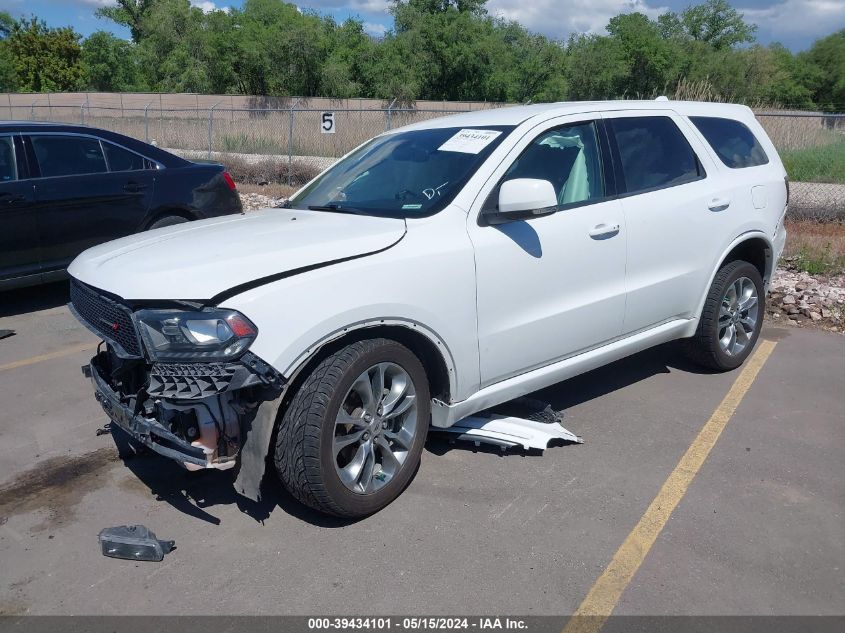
pixel 731 319
pixel 351 438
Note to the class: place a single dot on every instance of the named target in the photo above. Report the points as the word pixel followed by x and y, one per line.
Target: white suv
pixel 436 271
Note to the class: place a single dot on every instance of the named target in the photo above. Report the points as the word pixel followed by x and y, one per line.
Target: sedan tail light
pixel 229 180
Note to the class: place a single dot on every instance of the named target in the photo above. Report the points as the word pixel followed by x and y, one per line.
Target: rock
pixel 815 316
pixel 826 314
pixel 788 300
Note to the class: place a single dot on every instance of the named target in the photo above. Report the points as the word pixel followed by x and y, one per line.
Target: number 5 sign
pixel 327 123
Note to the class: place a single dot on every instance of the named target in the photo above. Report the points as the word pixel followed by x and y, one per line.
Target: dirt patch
pixel 13 606
pixel 55 486
pixel 135 486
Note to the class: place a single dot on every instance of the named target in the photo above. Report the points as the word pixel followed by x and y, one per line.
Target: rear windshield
pixel 735 144
pixel 406 174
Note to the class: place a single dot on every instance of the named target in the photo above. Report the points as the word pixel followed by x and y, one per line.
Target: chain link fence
pixel 812 147
pixel 292 143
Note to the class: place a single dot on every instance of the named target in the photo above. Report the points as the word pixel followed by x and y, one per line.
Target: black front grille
pixel 108 318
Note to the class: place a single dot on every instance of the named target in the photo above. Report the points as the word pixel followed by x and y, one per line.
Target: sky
pixel 794 23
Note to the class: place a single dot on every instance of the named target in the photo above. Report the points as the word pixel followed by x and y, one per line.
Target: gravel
pixel 255 201
pixel 799 298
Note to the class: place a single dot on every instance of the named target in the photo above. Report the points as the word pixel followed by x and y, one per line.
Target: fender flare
pixel 743 237
pixel 257 436
pixel 300 362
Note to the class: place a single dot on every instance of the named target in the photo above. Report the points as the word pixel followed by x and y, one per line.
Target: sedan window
pixel 68 155
pixel 123 160
pixel 8 171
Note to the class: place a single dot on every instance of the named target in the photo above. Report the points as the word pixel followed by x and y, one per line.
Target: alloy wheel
pixel 738 316
pixel 375 428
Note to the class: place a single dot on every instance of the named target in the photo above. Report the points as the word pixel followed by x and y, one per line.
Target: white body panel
pixel 512 307
pixel 198 260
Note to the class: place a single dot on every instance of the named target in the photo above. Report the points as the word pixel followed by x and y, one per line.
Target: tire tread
pixel 296 455
pixel 702 347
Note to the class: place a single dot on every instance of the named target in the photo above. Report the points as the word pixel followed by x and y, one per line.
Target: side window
pixel 568 157
pixel 68 155
pixel 654 153
pixel 8 169
pixel 120 159
pixel 735 144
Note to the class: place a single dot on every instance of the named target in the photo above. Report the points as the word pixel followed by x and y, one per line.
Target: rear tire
pixel 168 220
pixel 346 446
pixel 731 320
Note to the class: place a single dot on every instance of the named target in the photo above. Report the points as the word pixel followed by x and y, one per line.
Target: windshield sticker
pixel 411 206
pixel 469 141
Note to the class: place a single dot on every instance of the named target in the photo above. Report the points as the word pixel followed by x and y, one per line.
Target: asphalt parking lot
pixel 760 529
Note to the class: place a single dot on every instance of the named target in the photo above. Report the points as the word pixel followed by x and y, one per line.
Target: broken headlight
pixel 206 336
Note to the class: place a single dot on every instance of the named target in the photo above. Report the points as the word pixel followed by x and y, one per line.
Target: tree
pixel 717 23
pixel 129 13
pixel 649 57
pixel 109 62
pixel 8 77
pixel 597 67
pixel 823 68
pixel 45 59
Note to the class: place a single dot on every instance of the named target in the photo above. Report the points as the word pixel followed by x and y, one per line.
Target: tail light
pixel 229 180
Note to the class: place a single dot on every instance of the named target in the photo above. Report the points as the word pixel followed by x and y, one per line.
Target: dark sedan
pixel 64 188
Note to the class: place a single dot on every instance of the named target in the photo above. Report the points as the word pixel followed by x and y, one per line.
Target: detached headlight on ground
pixel 213 335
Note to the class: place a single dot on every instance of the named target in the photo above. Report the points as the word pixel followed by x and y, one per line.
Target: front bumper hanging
pixel 143 430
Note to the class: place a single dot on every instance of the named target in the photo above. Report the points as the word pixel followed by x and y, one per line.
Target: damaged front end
pixel 178 381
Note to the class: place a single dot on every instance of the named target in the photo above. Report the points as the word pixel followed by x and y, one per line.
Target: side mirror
pixel 523 198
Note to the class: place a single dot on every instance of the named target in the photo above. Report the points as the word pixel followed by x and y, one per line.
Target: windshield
pixel 403 175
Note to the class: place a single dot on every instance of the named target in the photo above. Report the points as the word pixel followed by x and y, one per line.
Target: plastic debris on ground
pixel 524 422
pixel 133 542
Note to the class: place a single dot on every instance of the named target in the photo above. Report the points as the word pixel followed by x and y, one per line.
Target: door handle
pixel 719 204
pixel 604 231
pixel 133 187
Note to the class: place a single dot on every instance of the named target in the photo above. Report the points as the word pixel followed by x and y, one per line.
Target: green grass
pixel 815 247
pixel 240 143
pixel 816 164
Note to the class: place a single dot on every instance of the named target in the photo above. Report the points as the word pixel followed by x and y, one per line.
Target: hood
pixel 200 260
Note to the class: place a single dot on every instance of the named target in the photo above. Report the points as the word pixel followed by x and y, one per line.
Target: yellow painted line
pixel 605 593
pixel 67 351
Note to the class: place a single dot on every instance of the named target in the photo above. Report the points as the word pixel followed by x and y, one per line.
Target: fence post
pixel 211 127
pixel 390 114
pixel 32 110
pixel 9 97
pixel 146 124
pixel 290 143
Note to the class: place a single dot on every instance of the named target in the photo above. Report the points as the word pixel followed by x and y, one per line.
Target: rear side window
pixel 68 155
pixel 8 170
pixel 654 153
pixel 123 160
pixel 735 144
